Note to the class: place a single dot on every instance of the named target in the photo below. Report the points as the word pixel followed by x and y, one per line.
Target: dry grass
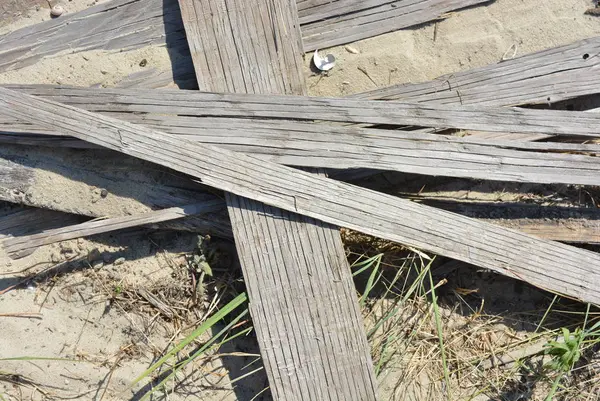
pixel 438 330
pixel 463 345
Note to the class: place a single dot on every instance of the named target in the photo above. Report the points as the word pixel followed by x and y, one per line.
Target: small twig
pixel 32 315
pixel 364 71
pixel 110 373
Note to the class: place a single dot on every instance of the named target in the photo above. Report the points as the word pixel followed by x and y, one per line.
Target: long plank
pixel 315 349
pixel 27 221
pixel 337 22
pixel 73 182
pixel 344 147
pixel 130 24
pixel 550 265
pixel 564 224
pixel 22 246
pixel 114 25
pixel 544 77
pixel 479 118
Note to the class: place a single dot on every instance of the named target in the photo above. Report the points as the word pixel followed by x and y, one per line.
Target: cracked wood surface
pixel 303 108
pixel 302 297
pixel 550 265
pixel 22 246
pixel 130 24
pixel 307 144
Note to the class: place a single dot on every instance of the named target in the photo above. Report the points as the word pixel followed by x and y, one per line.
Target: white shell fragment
pixel 323 63
pixel 57 10
pixel 351 49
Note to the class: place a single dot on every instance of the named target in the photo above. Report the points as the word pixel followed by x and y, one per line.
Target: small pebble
pixel 351 49
pixel 143 63
pixel 103 193
pixel 104 72
pixel 98 265
pixel 57 10
pixel 119 261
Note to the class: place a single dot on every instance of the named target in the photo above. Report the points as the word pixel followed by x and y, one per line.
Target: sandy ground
pixel 107 347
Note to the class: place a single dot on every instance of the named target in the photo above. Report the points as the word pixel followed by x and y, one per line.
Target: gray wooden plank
pixel 22 246
pixel 41 177
pixel 317 145
pixel 564 224
pixel 309 353
pixel 130 24
pixel 393 113
pixel 115 25
pixel 550 265
pixel 544 77
pixel 27 221
pixel 339 22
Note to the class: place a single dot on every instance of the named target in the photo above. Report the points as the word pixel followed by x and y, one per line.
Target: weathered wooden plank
pixel 28 221
pixel 115 25
pixel 309 351
pixel 22 246
pixel 392 113
pixel 41 177
pixel 317 145
pixel 564 224
pixel 550 265
pixel 544 77
pixel 130 24
pixel 337 22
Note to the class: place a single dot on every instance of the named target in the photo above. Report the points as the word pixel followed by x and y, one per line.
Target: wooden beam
pixel 479 118
pixel 302 296
pixel 329 23
pixel 307 144
pixel 41 177
pixel 28 220
pixel 544 77
pixel 564 224
pixel 131 24
pixel 22 246
pixel 550 265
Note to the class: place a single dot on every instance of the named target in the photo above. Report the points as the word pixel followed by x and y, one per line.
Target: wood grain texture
pixel 307 144
pixel 545 77
pixel 130 24
pixel 550 265
pixel 27 221
pixel 564 224
pixel 40 178
pixel 330 23
pixel 22 246
pixel 302 296
pixel 114 25
pixel 392 113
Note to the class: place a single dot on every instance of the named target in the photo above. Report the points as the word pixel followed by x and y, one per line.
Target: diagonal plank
pixel 41 177
pixel 130 24
pixel 22 246
pixel 544 77
pixel 331 23
pixel 550 265
pixel 302 296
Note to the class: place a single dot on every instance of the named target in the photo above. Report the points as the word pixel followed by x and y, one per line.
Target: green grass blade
pixel 200 351
pixel 366 264
pixel 209 323
pixel 546 313
pixel 371 281
pixel 438 325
